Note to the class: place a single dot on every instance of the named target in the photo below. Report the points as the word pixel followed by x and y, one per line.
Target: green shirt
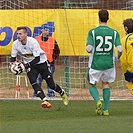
pixel 103 39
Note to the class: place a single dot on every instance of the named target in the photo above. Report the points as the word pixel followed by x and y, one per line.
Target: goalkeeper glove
pixel 27 66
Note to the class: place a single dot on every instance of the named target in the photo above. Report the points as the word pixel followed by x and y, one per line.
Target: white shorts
pixel 108 75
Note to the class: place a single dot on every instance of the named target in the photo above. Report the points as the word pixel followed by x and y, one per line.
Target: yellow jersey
pixel 126 59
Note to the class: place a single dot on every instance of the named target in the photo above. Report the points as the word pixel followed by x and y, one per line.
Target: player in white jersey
pixel 35 61
pixel 100 43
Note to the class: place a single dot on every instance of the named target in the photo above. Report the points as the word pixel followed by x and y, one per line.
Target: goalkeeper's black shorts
pixel 44 70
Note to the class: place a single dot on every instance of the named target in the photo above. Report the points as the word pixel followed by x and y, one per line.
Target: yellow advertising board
pixel 71 26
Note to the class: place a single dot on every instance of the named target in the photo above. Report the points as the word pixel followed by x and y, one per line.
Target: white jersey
pixel 29 51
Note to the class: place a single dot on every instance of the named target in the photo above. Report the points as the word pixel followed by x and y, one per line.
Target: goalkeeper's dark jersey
pixel 103 39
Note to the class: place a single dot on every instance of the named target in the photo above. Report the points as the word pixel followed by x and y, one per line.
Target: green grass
pixel 27 116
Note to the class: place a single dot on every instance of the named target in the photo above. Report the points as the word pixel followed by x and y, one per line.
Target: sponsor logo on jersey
pixel 28 55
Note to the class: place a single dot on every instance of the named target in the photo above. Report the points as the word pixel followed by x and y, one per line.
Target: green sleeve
pixel 90 38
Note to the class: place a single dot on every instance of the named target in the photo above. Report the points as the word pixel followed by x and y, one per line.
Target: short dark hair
pixel 129 24
pixel 22 28
pixel 103 15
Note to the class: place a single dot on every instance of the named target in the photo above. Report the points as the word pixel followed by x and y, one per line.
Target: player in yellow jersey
pixel 126 59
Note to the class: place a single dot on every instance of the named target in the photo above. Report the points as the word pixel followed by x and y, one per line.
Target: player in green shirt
pixel 100 43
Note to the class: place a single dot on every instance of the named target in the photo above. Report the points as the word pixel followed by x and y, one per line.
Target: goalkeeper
pixel 100 43
pixel 126 59
pixel 35 61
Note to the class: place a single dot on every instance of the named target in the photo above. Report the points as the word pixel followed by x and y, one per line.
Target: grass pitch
pixel 27 116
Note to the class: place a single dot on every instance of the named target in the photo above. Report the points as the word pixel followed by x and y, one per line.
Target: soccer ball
pixel 16 67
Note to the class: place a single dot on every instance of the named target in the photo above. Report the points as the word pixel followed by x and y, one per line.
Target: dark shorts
pixel 44 70
pixel 129 76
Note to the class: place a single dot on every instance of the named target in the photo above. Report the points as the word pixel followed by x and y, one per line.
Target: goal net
pixel 70 21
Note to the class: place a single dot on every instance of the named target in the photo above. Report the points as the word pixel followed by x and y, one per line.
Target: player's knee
pixel 50 83
pixel 32 80
pixel 52 86
pixel 105 84
pixel 34 83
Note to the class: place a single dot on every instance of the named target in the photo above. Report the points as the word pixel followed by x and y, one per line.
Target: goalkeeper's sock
pixel 94 93
pixel 106 98
pixel 130 87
